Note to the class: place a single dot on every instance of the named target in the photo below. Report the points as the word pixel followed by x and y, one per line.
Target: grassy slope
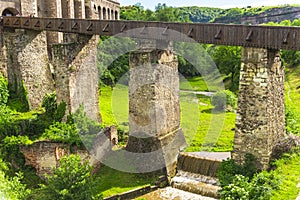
pixel 289 172
pixel 292 85
pixel 288 168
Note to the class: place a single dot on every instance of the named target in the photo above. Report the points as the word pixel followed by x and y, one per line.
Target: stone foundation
pixel 260 119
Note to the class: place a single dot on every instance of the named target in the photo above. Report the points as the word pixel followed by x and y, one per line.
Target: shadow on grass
pixel 110 181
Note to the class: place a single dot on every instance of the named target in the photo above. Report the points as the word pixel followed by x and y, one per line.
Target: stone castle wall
pixel 260 119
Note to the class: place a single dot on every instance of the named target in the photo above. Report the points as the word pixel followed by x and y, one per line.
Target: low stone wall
pixel 44 155
pixel 133 193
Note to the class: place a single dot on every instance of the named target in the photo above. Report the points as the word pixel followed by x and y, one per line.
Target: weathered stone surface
pixel 285 145
pixel 154 112
pixel 260 119
pixel 44 155
pixel 26 57
pixel 3 65
pixel 76 75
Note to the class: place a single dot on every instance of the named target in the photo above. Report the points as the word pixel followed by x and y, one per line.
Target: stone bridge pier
pixel 260 119
pixel 154 109
pixel 25 57
pixel 76 75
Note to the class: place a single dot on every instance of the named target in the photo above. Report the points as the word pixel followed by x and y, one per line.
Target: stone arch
pixel 10 12
pixel 104 13
pixel 116 15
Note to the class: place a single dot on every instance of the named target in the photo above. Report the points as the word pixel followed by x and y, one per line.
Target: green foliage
pixel 78 130
pixel 17 140
pixel 292 119
pixel 238 189
pixel 49 103
pixel 71 180
pixel 224 100
pixel 228 169
pixel 12 188
pixel 4 93
pixel 162 13
pixel 84 124
pixel 53 112
pixel 18 93
pixel 228 61
pixel 62 132
pixel 260 187
pixel 201 14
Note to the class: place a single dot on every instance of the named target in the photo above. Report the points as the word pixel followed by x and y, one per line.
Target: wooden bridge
pixel 267 37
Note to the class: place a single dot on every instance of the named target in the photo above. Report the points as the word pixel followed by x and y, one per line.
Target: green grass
pixel 110 182
pixel 292 87
pixel 200 125
pixel 289 173
pixel 193 83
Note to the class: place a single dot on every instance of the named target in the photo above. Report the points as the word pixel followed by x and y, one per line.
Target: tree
pixel 228 60
pixel 71 180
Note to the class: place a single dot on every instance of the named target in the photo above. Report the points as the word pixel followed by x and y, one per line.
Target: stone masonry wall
pixel 27 61
pixel 260 119
pixel 3 66
pixel 154 109
pixel 44 155
pixel 76 75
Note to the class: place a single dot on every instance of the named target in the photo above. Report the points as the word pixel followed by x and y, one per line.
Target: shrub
pixel 62 132
pixel 224 100
pixel 71 180
pixel 228 169
pixel 11 188
pixel 53 111
pixel 260 187
pixel 238 189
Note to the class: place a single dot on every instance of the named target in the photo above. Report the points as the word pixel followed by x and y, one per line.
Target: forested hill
pixel 247 15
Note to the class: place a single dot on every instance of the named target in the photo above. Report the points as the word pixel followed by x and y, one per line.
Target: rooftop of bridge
pixel 269 37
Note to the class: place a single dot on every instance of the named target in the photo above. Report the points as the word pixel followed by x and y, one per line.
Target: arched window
pixel 104 13
pixel 112 15
pixel 108 13
pixel 10 12
pixel 116 15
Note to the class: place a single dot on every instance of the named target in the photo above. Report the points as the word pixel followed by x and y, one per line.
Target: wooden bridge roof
pixel 270 37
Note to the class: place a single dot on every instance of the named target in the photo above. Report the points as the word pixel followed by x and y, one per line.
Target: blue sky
pixel 211 3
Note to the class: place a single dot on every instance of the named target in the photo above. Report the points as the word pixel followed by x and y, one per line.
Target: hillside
pixel 247 15
pixel 259 15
